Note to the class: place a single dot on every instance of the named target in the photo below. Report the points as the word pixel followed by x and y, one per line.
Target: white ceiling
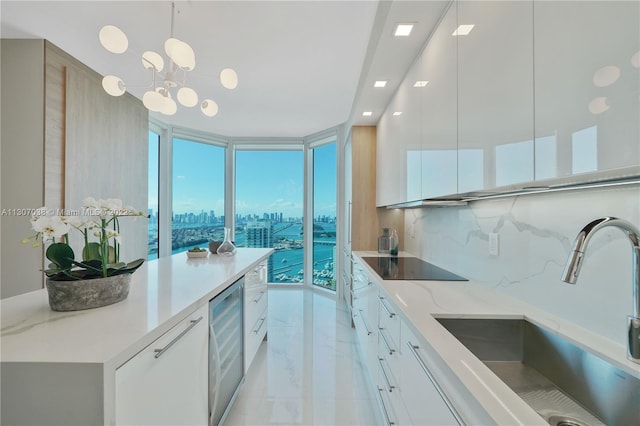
pixel 303 66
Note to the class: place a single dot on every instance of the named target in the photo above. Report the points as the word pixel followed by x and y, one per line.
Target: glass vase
pixel 393 243
pixel 227 248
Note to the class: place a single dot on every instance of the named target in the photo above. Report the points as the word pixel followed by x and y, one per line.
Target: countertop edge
pixel 190 299
pixel 473 300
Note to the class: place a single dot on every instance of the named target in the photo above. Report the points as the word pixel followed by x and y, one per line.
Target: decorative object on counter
pixel 196 253
pixel 83 294
pixel 393 243
pixel 383 241
pixel 100 279
pixel 227 248
pixel 213 246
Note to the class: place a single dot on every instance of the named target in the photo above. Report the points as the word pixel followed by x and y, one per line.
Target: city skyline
pixel 198 179
pixel 269 204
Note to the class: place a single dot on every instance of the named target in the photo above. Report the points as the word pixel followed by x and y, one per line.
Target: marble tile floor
pixel 308 371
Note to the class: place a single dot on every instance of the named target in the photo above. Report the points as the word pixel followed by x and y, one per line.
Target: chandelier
pixel 181 60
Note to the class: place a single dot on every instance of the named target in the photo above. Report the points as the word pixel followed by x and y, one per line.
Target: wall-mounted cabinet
pixel 438 121
pixel 535 93
pixel 587 75
pixel 495 94
pixel 399 157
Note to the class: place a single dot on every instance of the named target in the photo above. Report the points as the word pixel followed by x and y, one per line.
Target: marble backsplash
pixel 536 233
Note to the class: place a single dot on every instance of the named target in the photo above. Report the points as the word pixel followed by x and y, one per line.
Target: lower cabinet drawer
pixel 393 412
pixel 254 306
pixel 166 383
pixel 254 335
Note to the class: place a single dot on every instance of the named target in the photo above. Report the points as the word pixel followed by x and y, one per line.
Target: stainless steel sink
pixel 565 384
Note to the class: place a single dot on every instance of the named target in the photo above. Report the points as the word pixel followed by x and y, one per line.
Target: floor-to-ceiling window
pixel 198 188
pixel 324 214
pixel 153 200
pixel 269 189
pixel 269 192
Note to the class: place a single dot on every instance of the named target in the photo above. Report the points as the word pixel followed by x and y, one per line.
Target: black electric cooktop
pixel 409 268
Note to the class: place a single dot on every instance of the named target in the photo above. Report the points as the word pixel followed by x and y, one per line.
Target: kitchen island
pixel 60 367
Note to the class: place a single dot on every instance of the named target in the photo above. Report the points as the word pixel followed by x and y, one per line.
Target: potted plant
pixel 99 278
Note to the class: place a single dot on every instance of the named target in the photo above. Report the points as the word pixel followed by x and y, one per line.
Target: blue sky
pixel 267 181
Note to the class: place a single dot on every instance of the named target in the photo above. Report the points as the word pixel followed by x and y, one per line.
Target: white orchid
pixel 100 219
pixel 50 227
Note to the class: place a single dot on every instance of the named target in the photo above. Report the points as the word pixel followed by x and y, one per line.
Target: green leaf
pixel 130 267
pixel 94 265
pixel 91 251
pixel 61 255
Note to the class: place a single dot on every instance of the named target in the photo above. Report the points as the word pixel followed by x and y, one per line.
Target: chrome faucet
pixel 575 260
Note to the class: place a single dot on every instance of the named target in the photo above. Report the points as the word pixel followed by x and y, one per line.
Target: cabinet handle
pixel 386 343
pixel 386 308
pixel 257 299
pixel 349 223
pixel 159 352
pixel 261 321
pixel 384 374
pixel 384 407
pixel 365 323
pixel 435 383
pixel 214 373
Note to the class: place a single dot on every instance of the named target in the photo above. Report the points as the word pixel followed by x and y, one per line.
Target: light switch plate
pixel 494 244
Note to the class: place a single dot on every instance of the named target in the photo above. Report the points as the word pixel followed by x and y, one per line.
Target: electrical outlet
pixel 494 244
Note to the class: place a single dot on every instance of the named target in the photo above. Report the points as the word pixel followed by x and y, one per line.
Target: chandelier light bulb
pixel 153 100
pixel 229 78
pixel 152 60
pixel 209 107
pixel 113 85
pixel 169 106
pixel 187 96
pixel 635 60
pixel 113 39
pixel 180 53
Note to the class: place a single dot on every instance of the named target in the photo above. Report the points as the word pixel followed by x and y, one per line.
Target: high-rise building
pixel 260 234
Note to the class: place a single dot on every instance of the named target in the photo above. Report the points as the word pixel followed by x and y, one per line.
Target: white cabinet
pixel 255 311
pixel 439 111
pixel 534 91
pixel 390 165
pixel 495 93
pixel 587 74
pixel 399 152
pixel 397 361
pixel 365 314
pixel 166 383
pixel 422 396
pixel 388 381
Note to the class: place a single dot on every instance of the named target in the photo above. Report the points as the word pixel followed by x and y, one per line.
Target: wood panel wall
pixel 64 139
pixel 106 153
pixel 367 221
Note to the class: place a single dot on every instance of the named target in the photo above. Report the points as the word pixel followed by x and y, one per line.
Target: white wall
pixel 22 158
pixel 536 233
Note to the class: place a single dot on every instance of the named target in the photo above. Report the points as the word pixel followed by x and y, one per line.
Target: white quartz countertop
pixel 421 302
pixel 163 292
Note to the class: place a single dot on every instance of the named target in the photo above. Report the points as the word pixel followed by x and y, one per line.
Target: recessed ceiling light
pixel 402 30
pixel 463 30
pixel 367 113
pixel 397 113
pixel 380 83
pixel 420 83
